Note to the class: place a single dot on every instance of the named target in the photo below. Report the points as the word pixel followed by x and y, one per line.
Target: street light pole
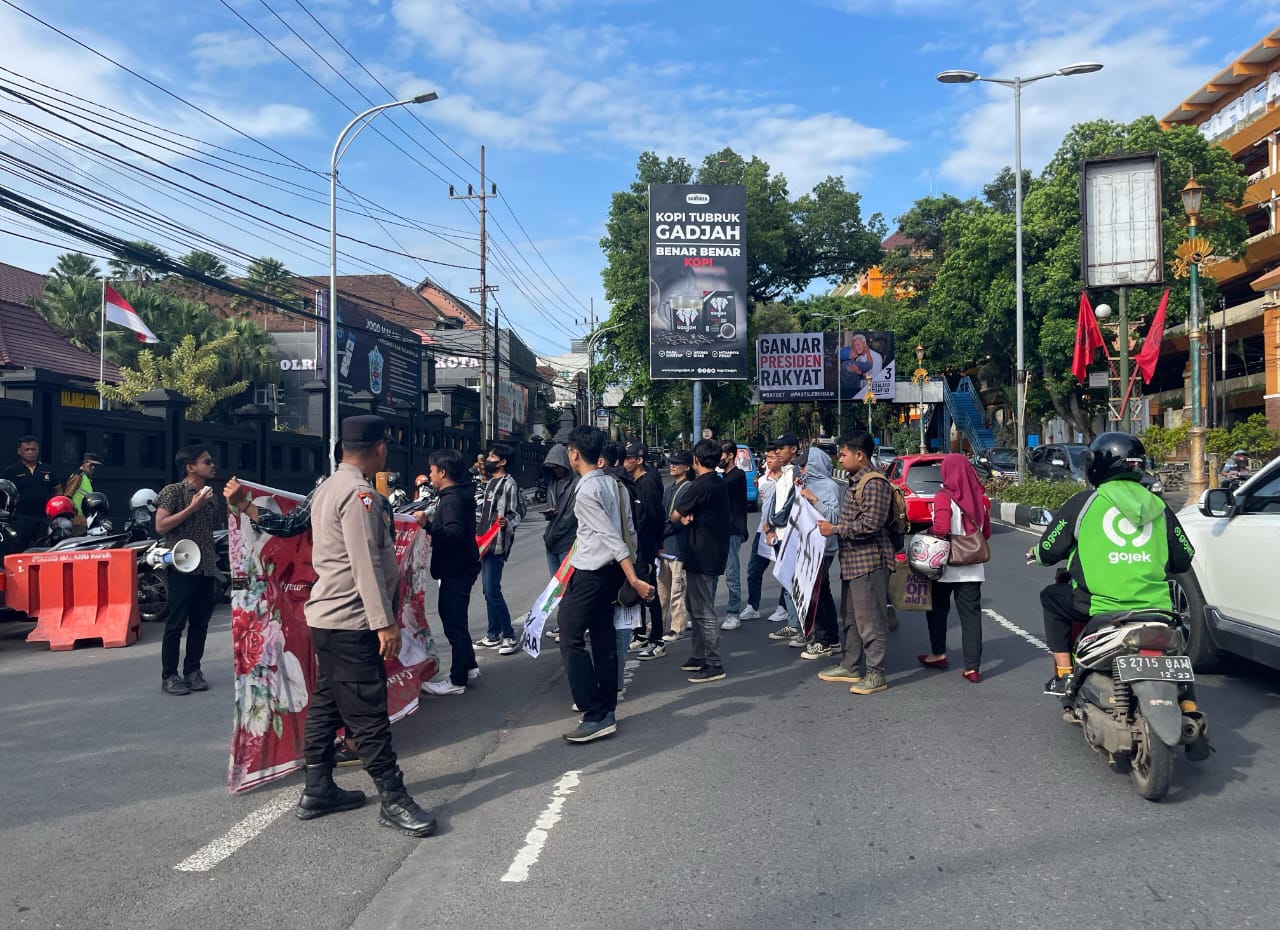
pixel 840 320
pixel 1198 480
pixel 338 151
pixel 1016 83
pixel 591 358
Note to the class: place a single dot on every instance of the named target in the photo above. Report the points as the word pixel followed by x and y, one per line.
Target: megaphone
pixel 185 556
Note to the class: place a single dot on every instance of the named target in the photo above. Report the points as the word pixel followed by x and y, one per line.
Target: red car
pixel 920 477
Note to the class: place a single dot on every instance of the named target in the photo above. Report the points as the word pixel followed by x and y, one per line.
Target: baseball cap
pixel 680 457
pixel 636 450
pixel 788 439
pixel 91 459
pixel 802 459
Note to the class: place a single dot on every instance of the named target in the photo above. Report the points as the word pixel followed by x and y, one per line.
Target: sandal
pixel 924 660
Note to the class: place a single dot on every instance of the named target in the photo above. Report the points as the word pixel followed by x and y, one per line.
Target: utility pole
pixel 488 418
pixel 590 323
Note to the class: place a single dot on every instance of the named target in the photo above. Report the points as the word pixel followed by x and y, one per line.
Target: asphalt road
pixel 770 799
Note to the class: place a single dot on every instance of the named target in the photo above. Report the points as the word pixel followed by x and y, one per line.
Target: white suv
pixel 1229 604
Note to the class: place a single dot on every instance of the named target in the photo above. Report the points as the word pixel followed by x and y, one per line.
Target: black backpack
pixel 896 524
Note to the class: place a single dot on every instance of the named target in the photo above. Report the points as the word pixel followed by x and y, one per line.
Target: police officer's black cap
pixel 788 439
pixel 366 428
pixel 636 450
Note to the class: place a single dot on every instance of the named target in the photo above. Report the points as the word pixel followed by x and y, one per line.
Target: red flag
pixel 1088 340
pixel 118 311
pixel 1147 356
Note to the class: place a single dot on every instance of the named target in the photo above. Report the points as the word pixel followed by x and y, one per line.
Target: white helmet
pixel 927 555
pixel 143 499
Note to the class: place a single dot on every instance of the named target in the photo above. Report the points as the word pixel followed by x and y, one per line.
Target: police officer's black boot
pixel 399 810
pixel 322 796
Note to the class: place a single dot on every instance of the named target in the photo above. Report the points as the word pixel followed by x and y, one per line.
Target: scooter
pixel 1128 672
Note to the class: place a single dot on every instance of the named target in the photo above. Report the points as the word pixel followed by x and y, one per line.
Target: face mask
pixel 490 467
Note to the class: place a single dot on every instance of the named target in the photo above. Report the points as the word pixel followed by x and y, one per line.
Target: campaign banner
pixel 374 355
pixel 799 367
pixel 273 656
pixel 698 282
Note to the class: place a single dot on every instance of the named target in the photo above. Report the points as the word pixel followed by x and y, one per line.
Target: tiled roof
pixel 449 306
pixel 26 338
pixel 897 241
pixel 19 286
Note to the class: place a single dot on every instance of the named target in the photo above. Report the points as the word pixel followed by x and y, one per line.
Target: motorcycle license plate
pixel 1154 668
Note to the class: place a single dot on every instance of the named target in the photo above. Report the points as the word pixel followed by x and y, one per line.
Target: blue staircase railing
pixel 964 405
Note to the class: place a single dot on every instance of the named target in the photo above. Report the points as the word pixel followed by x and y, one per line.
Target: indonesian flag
pixel 118 311
pixel 1150 351
pixel 1088 340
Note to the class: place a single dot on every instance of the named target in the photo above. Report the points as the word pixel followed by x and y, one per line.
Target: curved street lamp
pixel 1016 83
pixel 339 150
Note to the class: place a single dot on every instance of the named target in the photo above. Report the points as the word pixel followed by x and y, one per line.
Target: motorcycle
pixel 1128 672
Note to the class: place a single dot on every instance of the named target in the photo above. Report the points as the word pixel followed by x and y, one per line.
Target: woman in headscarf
pixel 959 509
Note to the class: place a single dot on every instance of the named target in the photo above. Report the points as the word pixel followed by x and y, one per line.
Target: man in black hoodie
pixel 455 563
pixel 646 490
pixel 705 511
pixel 562 522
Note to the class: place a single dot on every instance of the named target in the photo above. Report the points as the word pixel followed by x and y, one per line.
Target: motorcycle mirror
pixel 1040 517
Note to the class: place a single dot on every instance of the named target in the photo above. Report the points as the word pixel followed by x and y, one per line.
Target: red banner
pixel 271 643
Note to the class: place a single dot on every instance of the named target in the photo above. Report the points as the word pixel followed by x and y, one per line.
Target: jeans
pixel 554 561
pixel 671 592
pixel 587 607
pixel 454 602
pixel 756 566
pixel 826 629
pixel 491 567
pixel 968 596
pixel 732 576
pixel 621 642
pixel 866 621
pixel 702 613
pixel 648 571
pixel 350 691
pixel 191 603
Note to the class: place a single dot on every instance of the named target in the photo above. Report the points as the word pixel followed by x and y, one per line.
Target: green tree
pixel 191 369
pixel 270 279
pixel 73 306
pixel 74 265
pixel 205 264
pixel 138 262
pixel 249 355
pixel 914 267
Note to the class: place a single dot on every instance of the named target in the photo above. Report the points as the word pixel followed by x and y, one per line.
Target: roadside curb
pixel 1015 514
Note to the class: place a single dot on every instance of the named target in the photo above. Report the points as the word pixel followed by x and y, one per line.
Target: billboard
pixel 374 355
pixel 1121 227
pixel 698 282
pixel 796 367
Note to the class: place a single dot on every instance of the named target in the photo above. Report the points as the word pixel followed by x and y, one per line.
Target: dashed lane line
pixel 209 856
pixel 537 838
pixel 1015 629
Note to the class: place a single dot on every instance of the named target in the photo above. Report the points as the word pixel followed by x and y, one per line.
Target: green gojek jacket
pixel 1121 542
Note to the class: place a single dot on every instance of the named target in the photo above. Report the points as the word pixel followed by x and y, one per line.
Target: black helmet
pixel 1109 456
pixel 8 497
pixel 94 504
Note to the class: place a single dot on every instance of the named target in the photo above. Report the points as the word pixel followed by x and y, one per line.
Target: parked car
pixel 1226 600
pixel 996 462
pixel 746 460
pixel 1150 480
pixel 883 457
pixel 1057 461
pixel 920 477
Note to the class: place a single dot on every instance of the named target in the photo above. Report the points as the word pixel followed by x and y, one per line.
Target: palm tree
pixel 268 278
pixel 205 264
pixel 75 265
pixel 138 263
pixel 73 306
pixel 249 355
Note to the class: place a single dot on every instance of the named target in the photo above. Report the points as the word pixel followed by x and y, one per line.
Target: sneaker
pixel 196 682
pixel 707 673
pixel 637 645
pixel 652 651
pixel 749 613
pixel 778 615
pixel 671 636
pixel 840 673
pixel 508 647
pixel 693 665
pixel 345 756
pixel 173 684
pixel 622 693
pixel 442 687
pixel 1058 685
pixel 554 634
pixel 870 684
pixel 786 633
pixel 817 650
pixel 488 642
pixel 731 622
pixel 473 674
pixel 798 642
pixel 586 732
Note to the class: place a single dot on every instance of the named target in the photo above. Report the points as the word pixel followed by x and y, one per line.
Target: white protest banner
pixel 800 562
pixel 548 600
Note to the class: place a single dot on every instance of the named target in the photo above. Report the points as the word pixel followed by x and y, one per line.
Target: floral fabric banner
pixel 271 643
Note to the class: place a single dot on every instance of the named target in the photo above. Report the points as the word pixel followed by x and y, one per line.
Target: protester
pixel 187 510
pixel 354 630
pixel 866 558
pixel 455 563
pixel 651 521
pixel 822 491
pixel 775 525
pixel 671 580
pixel 36 485
pixel 959 509
pixel 562 524
pixel 735 484
pixel 80 484
pixel 501 505
pixel 602 563
pixel 757 564
pixel 705 511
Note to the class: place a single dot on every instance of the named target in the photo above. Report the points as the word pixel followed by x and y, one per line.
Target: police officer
pixel 36 485
pixel 353 627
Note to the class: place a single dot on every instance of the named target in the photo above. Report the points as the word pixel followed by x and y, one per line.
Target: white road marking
pixel 518 871
pixel 1015 629
pixel 206 858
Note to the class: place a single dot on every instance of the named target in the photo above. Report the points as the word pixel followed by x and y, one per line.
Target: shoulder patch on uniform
pixel 366 500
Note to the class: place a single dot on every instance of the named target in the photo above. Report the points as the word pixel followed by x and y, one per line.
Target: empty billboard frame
pixel 1121 228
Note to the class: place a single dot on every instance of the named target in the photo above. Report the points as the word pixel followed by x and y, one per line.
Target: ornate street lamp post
pixel 1198 480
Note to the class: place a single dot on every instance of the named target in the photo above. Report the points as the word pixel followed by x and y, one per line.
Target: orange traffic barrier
pixel 76 596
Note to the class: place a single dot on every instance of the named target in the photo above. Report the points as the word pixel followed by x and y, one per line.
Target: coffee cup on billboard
pixel 728 331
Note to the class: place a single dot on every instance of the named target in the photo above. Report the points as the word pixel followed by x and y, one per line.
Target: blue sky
pixel 565 95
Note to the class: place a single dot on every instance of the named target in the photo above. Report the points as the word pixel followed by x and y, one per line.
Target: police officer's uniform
pixel 353 554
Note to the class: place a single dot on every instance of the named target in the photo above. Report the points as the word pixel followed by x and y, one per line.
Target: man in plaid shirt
pixel 866 558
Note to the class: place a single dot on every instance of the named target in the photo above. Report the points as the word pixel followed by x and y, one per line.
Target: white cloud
pixel 270 121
